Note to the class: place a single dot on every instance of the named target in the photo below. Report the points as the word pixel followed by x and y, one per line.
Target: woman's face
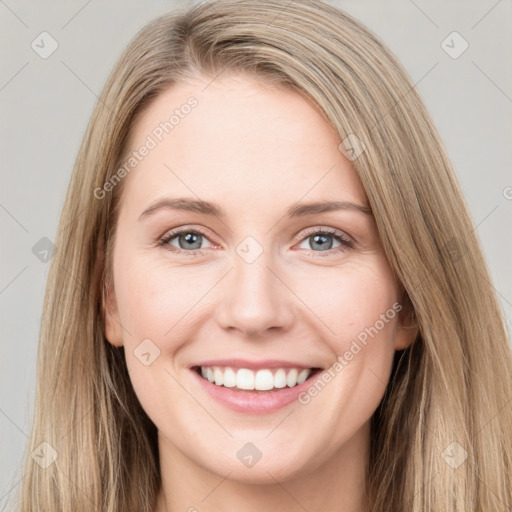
pixel 256 283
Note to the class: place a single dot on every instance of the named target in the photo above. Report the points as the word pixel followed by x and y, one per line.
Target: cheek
pixel 160 307
pixel 155 304
pixel 154 298
pixel 358 309
pixel 349 299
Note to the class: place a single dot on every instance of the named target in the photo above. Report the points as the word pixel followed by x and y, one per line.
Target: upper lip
pixel 253 365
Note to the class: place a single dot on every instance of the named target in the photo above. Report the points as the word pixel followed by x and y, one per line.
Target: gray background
pixel 46 104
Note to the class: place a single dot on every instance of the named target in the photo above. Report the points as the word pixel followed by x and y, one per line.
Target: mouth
pixel 256 381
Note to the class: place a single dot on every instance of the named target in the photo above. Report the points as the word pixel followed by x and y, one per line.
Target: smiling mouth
pixel 266 380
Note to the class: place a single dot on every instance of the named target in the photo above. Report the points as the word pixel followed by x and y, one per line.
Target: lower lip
pixel 254 402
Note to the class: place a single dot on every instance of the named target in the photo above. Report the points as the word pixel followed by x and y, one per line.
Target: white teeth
pixel 244 379
pixel 291 378
pixel 218 376
pixel 303 375
pixel 264 380
pixel 261 380
pixel 229 378
pixel 280 378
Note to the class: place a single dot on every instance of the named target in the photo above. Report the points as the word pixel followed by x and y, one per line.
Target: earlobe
pixel 112 325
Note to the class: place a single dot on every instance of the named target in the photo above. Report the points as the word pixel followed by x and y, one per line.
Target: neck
pixel 336 483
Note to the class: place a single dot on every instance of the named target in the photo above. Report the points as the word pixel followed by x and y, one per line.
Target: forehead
pixel 239 140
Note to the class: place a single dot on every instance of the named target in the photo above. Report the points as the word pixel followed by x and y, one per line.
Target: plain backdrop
pixel 46 104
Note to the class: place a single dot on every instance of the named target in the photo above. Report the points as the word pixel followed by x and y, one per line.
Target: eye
pixel 187 240
pixel 320 240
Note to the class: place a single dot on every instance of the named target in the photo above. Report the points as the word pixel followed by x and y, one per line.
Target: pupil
pixel 322 245
pixel 190 238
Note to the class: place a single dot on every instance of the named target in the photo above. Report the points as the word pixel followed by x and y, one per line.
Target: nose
pixel 255 299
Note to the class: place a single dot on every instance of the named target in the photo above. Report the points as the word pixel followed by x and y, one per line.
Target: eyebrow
pixel 213 209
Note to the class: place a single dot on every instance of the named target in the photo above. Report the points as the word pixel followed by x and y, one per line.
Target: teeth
pixel 229 378
pixel 261 380
pixel 218 376
pixel 280 378
pixel 303 375
pixel 245 379
pixel 291 378
pixel 264 380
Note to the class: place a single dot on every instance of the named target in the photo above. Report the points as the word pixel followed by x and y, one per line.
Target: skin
pixel 255 151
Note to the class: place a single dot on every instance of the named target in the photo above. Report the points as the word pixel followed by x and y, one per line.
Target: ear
pixel 112 325
pixel 407 326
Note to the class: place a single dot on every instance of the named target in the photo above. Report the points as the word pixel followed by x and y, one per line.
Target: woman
pixel 247 370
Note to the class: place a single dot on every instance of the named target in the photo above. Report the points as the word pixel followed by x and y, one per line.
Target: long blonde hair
pixel 442 436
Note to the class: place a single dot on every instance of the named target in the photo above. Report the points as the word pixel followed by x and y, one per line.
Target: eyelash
pixel 345 241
